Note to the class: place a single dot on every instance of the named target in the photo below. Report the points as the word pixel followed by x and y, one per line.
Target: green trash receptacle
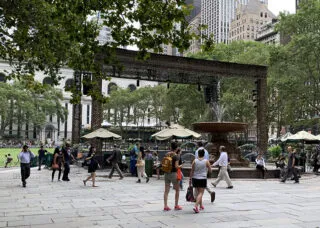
pixel 48 159
pixel 149 167
pixel 34 162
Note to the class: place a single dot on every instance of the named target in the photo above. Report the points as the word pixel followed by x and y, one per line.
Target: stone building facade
pixel 56 130
pixel 248 20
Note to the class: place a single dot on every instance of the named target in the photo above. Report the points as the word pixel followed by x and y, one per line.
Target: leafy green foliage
pixel 182 104
pixel 275 151
pixel 20 106
pixel 46 35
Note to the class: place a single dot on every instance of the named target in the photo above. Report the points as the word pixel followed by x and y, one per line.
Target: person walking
pixel 25 157
pixel 200 147
pixel 58 161
pixel 115 158
pixel 171 177
pixel 93 166
pixel 141 165
pixel 206 156
pixel 291 166
pixel 66 151
pixel 41 156
pixel 223 163
pixel 198 176
pixel 133 159
pixel 261 165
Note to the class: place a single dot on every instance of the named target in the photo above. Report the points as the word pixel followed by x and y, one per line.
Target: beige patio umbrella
pixel 302 136
pixel 102 133
pixel 175 131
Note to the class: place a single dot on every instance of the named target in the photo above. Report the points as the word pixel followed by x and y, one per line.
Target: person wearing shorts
pixel 199 171
pixel 172 178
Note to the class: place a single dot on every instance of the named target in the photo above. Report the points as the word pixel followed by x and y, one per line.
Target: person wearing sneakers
pixel 171 177
pixel 206 156
pixel 199 171
pixel 115 158
pixel 141 165
pixel 223 163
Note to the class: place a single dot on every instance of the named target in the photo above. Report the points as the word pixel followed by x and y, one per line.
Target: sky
pixel 276 6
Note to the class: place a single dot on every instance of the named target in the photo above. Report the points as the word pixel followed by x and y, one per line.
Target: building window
pixel 265 15
pixel 66 122
pixel 132 87
pixel 261 14
pixel 47 81
pixel 112 87
pixel 69 84
pixel 88 114
pixel 2 77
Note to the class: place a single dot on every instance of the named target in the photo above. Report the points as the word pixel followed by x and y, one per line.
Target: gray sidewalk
pixel 124 203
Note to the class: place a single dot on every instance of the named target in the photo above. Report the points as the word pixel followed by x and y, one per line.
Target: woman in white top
pixel 261 165
pixel 199 171
pixel 141 165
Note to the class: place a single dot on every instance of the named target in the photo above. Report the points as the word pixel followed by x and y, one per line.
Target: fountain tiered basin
pixel 218 132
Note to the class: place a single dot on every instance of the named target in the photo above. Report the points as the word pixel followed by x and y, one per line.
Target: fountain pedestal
pixel 219 136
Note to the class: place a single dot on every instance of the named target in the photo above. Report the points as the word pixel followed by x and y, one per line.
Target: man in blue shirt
pixel 25 157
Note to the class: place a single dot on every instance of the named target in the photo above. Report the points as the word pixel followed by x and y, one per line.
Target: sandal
pixel 178 208
pixel 201 207
pixel 166 208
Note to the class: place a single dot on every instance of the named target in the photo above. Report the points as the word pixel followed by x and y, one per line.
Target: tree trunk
pixel 97 118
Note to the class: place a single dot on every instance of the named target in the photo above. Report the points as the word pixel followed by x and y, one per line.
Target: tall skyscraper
pixel 218 14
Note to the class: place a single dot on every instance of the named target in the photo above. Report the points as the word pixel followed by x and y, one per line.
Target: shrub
pixel 275 151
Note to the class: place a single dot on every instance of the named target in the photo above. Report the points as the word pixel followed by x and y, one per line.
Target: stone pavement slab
pixel 124 203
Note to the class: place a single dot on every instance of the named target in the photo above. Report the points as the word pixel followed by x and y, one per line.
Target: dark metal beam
pixel 182 70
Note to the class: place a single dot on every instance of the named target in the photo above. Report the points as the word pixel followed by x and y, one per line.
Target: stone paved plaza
pixel 124 203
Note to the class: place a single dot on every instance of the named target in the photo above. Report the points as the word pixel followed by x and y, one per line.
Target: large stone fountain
pixel 219 132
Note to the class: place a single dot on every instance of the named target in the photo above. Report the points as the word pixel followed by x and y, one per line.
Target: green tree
pixel 46 35
pixel 20 106
pixel 236 93
pixel 298 64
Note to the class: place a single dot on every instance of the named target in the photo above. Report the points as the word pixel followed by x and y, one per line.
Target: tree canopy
pixel 46 35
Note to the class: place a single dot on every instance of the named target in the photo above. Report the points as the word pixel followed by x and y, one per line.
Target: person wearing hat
pixel 291 168
pixel 25 157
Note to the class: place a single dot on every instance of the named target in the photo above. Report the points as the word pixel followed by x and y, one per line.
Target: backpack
pixel 166 163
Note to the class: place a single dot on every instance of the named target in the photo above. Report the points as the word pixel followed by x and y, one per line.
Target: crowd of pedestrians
pixel 173 177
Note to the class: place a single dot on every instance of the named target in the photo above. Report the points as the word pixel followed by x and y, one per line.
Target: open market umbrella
pixel 102 133
pixel 302 136
pixel 175 131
